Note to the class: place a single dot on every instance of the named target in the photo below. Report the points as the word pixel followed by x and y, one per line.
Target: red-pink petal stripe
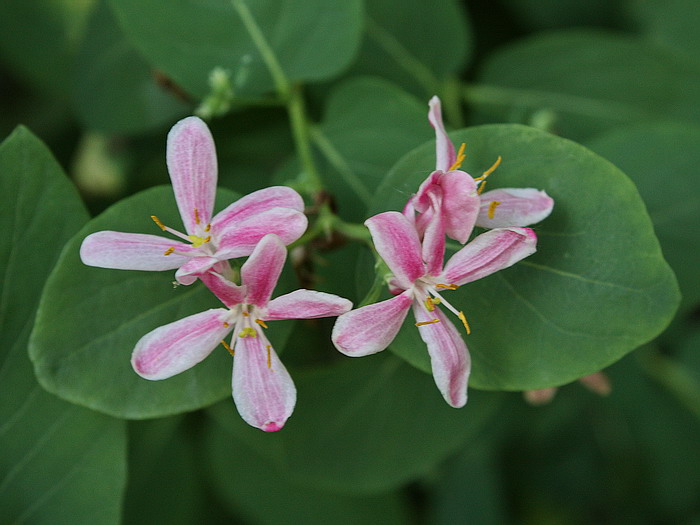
pixel 514 207
pixel 434 244
pixel 370 329
pixel 449 356
pixel 306 304
pixel 228 293
pixel 131 251
pixel 178 346
pixel 263 390
pixel 488 253
pixel 191 159
pixel 396 241
pixel 261 271
pixel 444 149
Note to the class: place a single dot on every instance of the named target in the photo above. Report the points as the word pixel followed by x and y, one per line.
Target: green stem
pixel 379 281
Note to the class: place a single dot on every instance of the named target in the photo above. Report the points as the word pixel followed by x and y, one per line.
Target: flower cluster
pixel 449 203
pixel 258 225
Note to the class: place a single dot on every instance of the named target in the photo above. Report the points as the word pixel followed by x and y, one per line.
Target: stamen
pixel 169 250
pixel 246 314
pixel 196 216
pixel 160 224
pixel 492 208
pixel 227 347
pixel 207 238
pixel 169 230
pixel 446 286
pixel 206 230
pixel 481 188
pixel 460 158
pixel 261 323
pixel 248 332
pixel 432 321
pixel 269 357
pixel 429 305
pixel 493 167
pixel 226 325
pixel 464 322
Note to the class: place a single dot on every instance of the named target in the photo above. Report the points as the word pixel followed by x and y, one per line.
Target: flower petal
pixel 488 253
pixel 396 241
pixel 255 203
pixel 460 204
pixel 196 266
pixel 444 149
pixel 191 159
pixel 132 251
pixel 286 223
pixel 306 304
pixel 263 390
pixel 228 293
pixel 261 271
pixel 370 329
pixel 515 207
pixel 433 245
pixel 449 356
pixel 178 346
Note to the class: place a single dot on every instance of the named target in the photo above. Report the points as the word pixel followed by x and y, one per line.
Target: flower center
pixel 431 298
pixel 197 241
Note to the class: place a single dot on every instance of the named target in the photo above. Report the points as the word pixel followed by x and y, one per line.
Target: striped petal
pixel 261 271
pixel 460 204
pixel 306 304
pixel 192 269
pixel 228 293
pixel 507 207
pixel 132 251
pixel 444 149
pixel 191 159
pixel 178 346
pixel 263 390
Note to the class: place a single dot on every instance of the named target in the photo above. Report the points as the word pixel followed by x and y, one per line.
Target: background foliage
pixel 95 86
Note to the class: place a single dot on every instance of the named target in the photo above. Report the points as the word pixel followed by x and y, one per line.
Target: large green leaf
pixel 313 40
pixel 90 319
pixel 58 463
pixel 586 82
pixel 115 90
pixel 663 160
pixel 597 288
pixel 365 425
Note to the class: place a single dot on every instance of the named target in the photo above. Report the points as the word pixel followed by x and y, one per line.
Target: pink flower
pixel 419 277
pixel 209 241
pixel 263 391
pixel 456 197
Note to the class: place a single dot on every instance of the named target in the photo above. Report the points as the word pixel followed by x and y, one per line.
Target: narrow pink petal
pixel 263 390
pixel 255 203
pixel 306 304
pixel 178 346
pixel 228 293
pixel 515 207
pixel 132 251
pixel 191 159
pixel 196 266
pixel 370 329
pixel 286 223
pixel 488 253
pixel 433 245
pixel 396 241
pixel 460 204
pixel 449 356
pixel 422 200
pixel 444 150
pixel 261 271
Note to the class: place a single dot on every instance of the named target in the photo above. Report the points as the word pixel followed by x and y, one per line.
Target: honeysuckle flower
pixel 457 198
pixel 419 278
pixel 263 390
pixel 208 241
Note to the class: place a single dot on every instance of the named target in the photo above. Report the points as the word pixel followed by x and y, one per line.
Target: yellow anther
pixel 226 325
pixel 206 230
pixel 493 167
pixel 269 357
pixel 481 188
pixel 464 322
pixel 157 221
pixel 492 208
pixel 198 241
pixel 245 314
pixel 196 216
pixel 227 347
pixel 430 305
pixel 460 158
pixel 446 286
pixel 248 332
pixel 261 323
pixel 432 321
pixel 169 250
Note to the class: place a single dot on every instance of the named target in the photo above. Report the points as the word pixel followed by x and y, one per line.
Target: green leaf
pixel 597 288
pixel 585 82
pixel 367 124
pixel 252 486
pixel 90 319
pixel 387 419
pixel 312 40
pixel 537 15
pixel 662 160
pixel 115 90
pixel 59 464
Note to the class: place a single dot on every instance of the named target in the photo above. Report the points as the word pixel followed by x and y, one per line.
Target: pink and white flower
pixel 457 199
pixel 208 241
pixel 418 280
pixel 263 390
